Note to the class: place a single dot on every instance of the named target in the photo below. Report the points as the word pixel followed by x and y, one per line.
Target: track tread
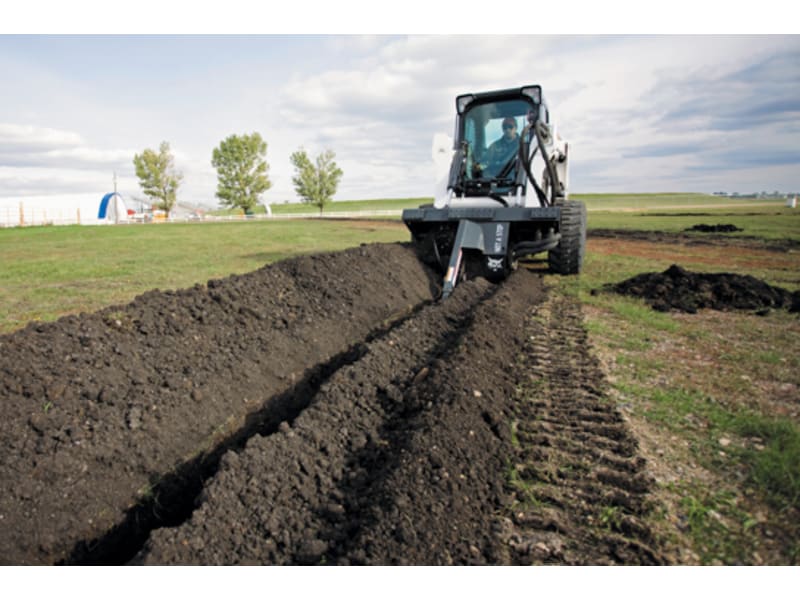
pixel 581 488
pixel 567 257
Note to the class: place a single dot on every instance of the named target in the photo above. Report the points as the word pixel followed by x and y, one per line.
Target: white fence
pixel 24 216
pixel 32 216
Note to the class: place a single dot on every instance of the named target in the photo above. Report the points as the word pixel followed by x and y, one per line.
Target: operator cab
pixel 489 129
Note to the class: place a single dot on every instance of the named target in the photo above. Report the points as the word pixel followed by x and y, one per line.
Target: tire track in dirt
pixel 581 490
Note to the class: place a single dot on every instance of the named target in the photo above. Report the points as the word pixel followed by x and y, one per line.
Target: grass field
pixel 52 271
pixel 712 397
pixel 351 206
pixel 594 202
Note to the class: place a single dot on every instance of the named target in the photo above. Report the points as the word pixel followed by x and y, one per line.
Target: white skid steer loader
pixel 489 209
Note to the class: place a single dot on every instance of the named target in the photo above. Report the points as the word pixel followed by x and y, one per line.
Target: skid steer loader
pixel 489 209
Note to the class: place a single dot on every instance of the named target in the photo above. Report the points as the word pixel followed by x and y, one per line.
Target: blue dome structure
pixel 112 207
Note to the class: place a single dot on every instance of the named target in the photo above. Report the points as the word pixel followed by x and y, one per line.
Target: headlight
pixel 534 92
pixel 463 101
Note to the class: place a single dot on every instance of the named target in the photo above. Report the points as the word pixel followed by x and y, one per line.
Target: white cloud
pixel 607 94
pixel 378 100
pixel 29 137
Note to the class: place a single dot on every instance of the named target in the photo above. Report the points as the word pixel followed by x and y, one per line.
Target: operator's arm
pixel 489 157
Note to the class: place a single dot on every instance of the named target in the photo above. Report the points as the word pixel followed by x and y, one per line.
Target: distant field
pixel 659 212
pixel 351 205
pixel 51 271
pixel 594 202
pixel 48 272
pixel 666 201
pixel 766 222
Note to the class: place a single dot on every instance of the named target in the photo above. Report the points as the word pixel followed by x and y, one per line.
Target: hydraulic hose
pixel 526 162
pixel 554 184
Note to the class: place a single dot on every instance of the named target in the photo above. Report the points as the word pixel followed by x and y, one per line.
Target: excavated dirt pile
pixel 722 228
pixel 321 410
pixel 682 290
pixel 108 411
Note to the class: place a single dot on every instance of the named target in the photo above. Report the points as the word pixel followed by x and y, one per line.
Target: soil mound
pixel 714 228
pixel 685 291
pixel 102 411
pixel 404 456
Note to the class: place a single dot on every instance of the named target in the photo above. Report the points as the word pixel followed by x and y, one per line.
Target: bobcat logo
pixel 495 264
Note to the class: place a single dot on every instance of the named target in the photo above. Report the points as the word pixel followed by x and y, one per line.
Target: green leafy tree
pixel 158 177
pixel 315 182
pixel 241 171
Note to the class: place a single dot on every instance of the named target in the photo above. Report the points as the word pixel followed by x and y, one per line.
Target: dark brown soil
pixel 322 410
pixel 682 290
pixel 404 456
pixel 99 409
pixel 698 239
pixel 721 228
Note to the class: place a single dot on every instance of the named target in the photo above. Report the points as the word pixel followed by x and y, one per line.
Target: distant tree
pixel 240 161
pixel 158 177
pixel 316 182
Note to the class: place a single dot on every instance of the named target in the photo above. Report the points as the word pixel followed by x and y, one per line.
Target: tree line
pixel 242 174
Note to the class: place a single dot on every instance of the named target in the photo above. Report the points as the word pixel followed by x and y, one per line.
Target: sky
pixel 642 113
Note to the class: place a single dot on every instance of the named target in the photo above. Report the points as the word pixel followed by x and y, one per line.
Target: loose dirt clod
pixel 682 290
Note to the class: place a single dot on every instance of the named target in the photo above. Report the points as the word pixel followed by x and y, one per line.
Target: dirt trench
pixel 322 410
pixel 405 456
pixel 108 417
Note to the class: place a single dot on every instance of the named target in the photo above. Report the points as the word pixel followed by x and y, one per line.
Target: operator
pixel 503 150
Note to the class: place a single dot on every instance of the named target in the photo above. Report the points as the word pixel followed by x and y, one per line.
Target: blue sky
pixel 642 113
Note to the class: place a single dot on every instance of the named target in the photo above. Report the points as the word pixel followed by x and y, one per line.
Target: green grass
pixel 722 533
pixel 774 467
pixel 705 383
pixel 351 206
pixel 700 405
pixel 599 203
pixel 676 201
pixel 52 271
pixel 258 209
pixel 615 211
pixel 774 223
